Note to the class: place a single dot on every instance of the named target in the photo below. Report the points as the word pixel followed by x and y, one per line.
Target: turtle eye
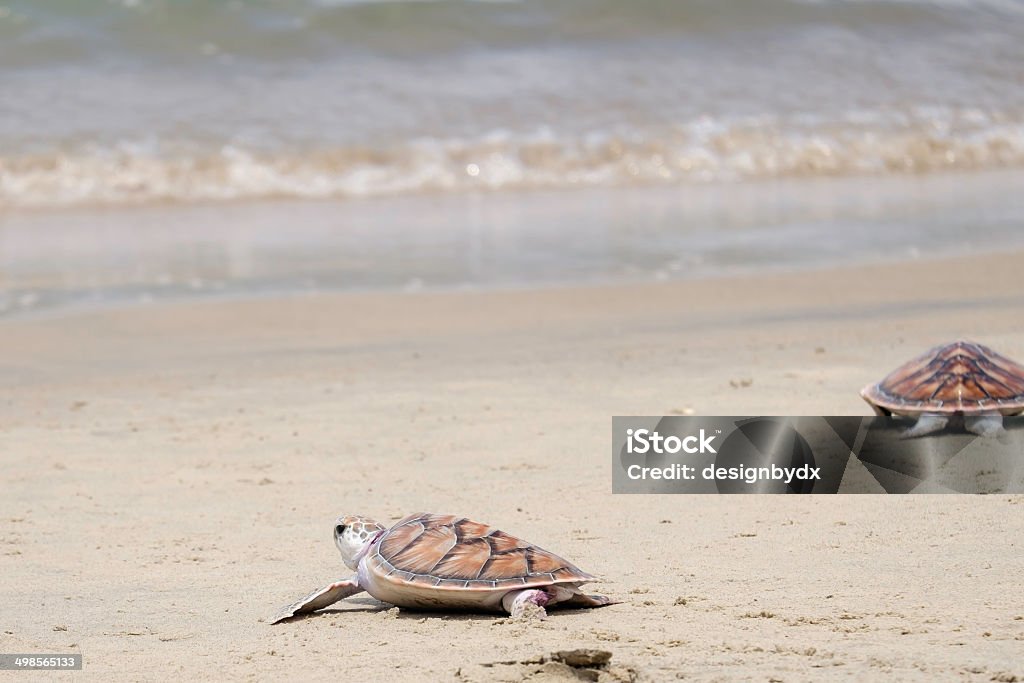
pixel 339 530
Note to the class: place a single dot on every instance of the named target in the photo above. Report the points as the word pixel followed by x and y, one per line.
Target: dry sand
pixel 171 474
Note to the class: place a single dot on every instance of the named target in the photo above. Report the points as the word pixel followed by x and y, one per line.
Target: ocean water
pixel 134 101
pixel 166 148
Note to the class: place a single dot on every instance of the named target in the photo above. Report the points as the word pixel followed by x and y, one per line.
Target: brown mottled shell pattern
pixel 959 378
pixel 445 551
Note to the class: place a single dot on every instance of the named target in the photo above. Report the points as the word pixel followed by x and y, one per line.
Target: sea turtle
pixel 445 562
pixel 961 379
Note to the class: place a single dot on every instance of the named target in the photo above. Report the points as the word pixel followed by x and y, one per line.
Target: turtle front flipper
pixel 320 598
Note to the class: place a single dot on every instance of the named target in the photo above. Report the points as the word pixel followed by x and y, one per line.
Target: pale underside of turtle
pixel 958 380
pixel 445 562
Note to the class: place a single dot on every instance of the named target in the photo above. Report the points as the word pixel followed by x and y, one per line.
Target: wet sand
pixel 171 474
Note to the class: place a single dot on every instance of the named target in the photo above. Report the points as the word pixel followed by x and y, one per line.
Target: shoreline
pixel 933 279
pixel 502 241
pixel 570 288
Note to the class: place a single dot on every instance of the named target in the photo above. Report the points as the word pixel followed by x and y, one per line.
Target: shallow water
pixel 61 261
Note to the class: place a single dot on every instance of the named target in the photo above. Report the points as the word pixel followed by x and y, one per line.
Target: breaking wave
pixel 702 150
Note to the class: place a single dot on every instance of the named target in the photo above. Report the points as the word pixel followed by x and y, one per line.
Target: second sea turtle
pixel 962 379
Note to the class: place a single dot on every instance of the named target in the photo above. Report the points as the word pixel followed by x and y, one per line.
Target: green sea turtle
pixel 957 380
pixel 445 562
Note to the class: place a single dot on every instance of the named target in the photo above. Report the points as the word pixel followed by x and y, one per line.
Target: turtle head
pixel 353 535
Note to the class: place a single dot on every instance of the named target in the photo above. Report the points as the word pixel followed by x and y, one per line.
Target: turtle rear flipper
pixel 927 423
pixel 318 599
pixel 990 425
pixel 530 603
pixel 585 600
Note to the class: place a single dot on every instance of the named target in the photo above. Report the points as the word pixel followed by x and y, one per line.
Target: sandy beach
pixel 172 472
